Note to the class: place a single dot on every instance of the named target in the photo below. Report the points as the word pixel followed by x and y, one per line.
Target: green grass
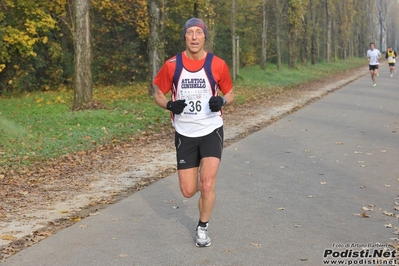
pixel 39 126
pixel 265 83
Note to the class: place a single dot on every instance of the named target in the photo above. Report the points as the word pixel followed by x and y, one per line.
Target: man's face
pixel 195 39
pixel 372 46
pixel 390 49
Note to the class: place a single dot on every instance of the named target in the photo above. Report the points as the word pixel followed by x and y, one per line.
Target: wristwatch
pixel 224 101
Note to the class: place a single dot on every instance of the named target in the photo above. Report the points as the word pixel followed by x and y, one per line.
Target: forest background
pixel 37 37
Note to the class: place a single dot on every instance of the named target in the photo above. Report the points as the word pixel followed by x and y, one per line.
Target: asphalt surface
pixel 323 179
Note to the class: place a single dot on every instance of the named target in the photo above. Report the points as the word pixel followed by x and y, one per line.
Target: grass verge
pixel 35 127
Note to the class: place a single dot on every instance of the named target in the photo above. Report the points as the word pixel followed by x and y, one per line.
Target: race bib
pixel 196 100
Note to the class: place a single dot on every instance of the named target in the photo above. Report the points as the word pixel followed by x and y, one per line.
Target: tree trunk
pixel 264 37
pixel 313 45
pixel 154 44
pixel 233 37
pixel 328 44
pixel 278 51
pixel 83 55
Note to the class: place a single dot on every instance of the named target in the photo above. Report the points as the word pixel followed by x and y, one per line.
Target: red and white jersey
pixel 195 81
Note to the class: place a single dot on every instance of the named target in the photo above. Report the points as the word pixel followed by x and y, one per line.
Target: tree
pixel 233 37
pixel 155 44
pixel 328 27
pixel 277 12
pixel 25 25
pixel 83 55
pixel 296 10
pixel 264 36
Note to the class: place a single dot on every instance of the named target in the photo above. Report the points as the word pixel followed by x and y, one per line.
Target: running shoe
pixel 375 84
pixel 391 75
pixel 202 238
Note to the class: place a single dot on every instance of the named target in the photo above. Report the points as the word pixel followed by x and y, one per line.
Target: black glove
pixel 177 106
pixel 216 103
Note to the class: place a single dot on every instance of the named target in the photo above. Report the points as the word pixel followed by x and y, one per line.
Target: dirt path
pixel 66 191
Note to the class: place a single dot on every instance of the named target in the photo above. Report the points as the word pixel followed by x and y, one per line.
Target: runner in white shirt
pixel 373 56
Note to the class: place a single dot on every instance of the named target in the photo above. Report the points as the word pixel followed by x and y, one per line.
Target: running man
pixel 373 56
pixel 194 78
pixel 391 55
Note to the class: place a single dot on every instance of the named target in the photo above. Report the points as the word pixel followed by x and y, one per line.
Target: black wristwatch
pixel 224 100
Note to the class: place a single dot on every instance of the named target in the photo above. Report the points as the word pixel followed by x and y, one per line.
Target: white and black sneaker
pixel 202 239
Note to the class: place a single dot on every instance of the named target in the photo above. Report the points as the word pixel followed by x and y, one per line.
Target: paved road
pixel 286 195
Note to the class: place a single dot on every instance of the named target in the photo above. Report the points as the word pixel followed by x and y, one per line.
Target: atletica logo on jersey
pixel 194 83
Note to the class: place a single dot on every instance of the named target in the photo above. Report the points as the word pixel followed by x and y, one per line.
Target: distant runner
pixel 373 56
pixel 390 55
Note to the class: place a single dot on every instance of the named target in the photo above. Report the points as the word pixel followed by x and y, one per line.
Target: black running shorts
pixel 190 151
pixel 373 67
pixel 391 64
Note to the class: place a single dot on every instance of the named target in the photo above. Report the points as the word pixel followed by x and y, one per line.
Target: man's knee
pixel 188 192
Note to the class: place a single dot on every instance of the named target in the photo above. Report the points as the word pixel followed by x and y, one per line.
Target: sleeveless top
pixel 391 57
pixel 196 88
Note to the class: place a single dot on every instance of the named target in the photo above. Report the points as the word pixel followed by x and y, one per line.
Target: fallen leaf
pixel 123 255
pixel 310 196
pixel 8 237
pixel 364 215
pixel 388 225
pixel 303 259
pixel 82 226
pixel 256 245
pixel 339 143
pixel 94 213
pixel 228 250
pixel 366 209
pixel 75 219
pixel 388 213
pixel 323 183
pixel 281 208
